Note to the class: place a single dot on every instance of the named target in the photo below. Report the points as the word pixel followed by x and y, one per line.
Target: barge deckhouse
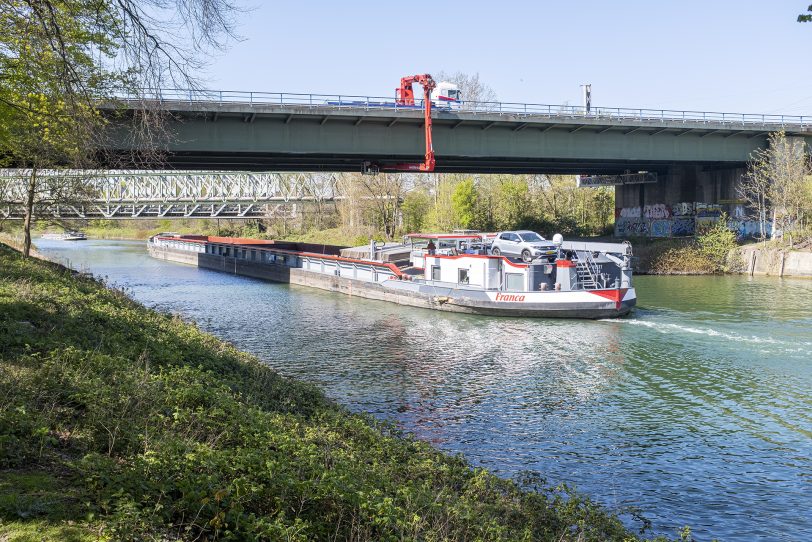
pixel 449 272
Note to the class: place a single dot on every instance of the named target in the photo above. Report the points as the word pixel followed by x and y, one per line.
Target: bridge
pixel 690 156
pixel 229 130
pixel 167 194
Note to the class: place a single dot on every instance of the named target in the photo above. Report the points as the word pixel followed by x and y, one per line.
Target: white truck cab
pixel 447 95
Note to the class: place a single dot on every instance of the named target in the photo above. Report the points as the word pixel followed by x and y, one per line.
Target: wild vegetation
pixel 778 188
pixel 712 251
pixel 118 422
pixel 489 203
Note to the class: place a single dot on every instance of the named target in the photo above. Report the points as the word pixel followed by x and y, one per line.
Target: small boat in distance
pixel 66 236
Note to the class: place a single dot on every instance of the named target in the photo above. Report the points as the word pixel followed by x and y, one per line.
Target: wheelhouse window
pixel 435 272
pixel 514 282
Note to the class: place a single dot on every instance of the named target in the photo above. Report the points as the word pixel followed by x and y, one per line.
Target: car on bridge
pixel 524 244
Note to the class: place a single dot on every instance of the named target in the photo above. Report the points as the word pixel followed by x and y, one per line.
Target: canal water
pixel 697 410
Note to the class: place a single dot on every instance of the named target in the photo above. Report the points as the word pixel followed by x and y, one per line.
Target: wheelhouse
pixel 446 244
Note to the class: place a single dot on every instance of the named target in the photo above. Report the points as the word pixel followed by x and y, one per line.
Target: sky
pixel 748 56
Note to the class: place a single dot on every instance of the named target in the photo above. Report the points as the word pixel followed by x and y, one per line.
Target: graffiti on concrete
pixel 708 210
pixel 680 220
pixel 682 209
pixel 682 227
pixel 658 210
pixel 750 228
pixel 660 228
pixel 630 212
pixel 631 227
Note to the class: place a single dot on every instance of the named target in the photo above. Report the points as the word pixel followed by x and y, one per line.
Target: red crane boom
pixel 405 96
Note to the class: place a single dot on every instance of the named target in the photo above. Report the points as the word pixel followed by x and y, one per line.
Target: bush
pixel 716 243
pixel 709 253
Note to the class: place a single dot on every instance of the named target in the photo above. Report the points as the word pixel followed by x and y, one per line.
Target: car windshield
pixel 531 237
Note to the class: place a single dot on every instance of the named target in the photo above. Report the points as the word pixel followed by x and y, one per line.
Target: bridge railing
pixel 514 109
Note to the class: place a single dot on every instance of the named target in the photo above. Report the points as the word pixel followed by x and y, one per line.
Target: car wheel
pixel 496 252
pixel 526 256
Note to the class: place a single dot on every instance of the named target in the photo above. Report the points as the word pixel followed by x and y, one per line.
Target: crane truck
pixel 447 97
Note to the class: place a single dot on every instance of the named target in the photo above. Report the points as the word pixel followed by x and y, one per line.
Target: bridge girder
pixel 171 194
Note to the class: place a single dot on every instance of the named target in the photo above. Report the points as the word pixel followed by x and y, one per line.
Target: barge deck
pixel 482 284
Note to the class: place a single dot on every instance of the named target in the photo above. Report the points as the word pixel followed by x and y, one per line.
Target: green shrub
pixel 710 252
pixel 716 243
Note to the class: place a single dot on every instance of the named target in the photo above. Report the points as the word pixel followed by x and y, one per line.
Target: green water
pixel 696 410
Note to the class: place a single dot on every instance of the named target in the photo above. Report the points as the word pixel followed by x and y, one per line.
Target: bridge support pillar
pixel 682 197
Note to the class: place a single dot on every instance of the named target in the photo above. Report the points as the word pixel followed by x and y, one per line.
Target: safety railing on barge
pixel 324 264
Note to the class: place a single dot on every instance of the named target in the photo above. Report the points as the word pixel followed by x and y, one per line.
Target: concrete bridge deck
pixel 305 132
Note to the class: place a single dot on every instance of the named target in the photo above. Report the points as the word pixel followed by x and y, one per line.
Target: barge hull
pixel 435 298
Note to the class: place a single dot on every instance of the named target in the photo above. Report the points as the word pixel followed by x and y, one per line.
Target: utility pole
pixel 587 89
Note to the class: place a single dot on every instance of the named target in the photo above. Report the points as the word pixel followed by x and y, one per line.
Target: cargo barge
pixel 448 272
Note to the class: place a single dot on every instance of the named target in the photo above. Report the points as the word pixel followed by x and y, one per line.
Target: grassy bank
pixel 118 422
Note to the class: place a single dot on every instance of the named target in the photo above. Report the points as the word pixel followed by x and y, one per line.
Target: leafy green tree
pixel 512 203
pixel 463 201
pixel 805 18
pixel 441 216
pixel 49 83
pixel 60 59
pixel 416 205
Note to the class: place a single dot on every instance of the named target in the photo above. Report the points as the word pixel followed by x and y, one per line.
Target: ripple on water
pixel 696 410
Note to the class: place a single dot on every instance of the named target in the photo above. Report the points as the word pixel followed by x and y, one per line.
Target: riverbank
pixel 121 422
pixel 685 257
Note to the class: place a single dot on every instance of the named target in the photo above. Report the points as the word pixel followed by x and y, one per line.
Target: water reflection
pixel 696 410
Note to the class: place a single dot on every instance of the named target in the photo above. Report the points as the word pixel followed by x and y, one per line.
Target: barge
pixel 448 272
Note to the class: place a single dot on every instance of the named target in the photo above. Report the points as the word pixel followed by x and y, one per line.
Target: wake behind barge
pixel 448 272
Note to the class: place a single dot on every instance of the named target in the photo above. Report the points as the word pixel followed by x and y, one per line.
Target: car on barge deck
pixel 442 271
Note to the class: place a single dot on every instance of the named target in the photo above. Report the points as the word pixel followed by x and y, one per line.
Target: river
pixel 696 410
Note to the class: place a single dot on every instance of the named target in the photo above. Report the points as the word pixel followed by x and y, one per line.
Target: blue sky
pixel 712 55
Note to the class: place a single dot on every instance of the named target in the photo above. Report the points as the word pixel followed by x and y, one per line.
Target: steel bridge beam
pixel 170 194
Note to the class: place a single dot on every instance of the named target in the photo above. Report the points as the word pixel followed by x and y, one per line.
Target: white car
pixel 525 244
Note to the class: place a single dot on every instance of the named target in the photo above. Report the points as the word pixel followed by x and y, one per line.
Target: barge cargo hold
pixel 448 272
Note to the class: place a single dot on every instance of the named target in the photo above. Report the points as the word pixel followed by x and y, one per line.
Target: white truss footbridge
pixel 163 194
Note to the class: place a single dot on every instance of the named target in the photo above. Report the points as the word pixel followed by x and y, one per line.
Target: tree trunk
pixel 29 212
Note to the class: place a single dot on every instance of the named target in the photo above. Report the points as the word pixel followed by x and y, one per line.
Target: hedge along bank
pixel 136 425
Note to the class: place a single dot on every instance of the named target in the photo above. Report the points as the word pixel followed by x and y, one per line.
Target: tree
pixel 775 183
pixel 381 194
pixel 49 82
pixel 472 89
pixel 512 202
pixel 441 216
pixel 415 208
pixel 463 202
pixel 789 167
pixel 59 60
pixel 805 18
